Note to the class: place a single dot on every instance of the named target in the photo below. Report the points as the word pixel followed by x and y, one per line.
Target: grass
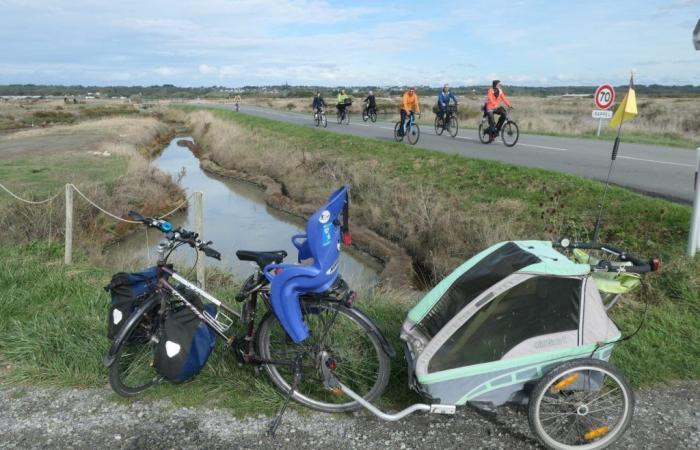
pixel 43 176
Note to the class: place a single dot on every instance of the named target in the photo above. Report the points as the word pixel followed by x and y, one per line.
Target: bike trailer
pixel 500 321
pixel 128 291
pixel 185 344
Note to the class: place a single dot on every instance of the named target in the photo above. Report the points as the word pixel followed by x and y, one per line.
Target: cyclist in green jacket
pixel 342 96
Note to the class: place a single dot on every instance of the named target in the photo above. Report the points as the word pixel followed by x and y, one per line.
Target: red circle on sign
pixel 604 96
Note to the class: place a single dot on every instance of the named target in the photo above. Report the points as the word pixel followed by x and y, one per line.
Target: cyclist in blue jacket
pixel 444 100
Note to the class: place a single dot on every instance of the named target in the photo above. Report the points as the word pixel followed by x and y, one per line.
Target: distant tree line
pixel 172 91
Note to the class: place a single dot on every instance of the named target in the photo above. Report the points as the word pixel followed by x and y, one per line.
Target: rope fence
pixel 70 188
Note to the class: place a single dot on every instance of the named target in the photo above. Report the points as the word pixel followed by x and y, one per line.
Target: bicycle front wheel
pixel 346 118
pixel 361 363
pixel 373 116
pixel 510 134
pixel 133 371
pixel 581 404
pixel 414 134
pixel 365 115
pixel 317 120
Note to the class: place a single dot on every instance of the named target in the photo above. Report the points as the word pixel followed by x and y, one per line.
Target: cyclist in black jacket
pixel 318 102
pixel 371 102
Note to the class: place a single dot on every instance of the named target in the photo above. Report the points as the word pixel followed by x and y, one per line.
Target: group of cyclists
pixel 495 98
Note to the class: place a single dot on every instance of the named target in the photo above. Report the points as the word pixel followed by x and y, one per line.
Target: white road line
pixel 656 162
pixel 545 147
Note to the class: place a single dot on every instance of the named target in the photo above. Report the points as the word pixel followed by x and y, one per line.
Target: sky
pixel 333 43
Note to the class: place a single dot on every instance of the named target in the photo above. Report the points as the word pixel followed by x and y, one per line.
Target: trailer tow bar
pixel 438 409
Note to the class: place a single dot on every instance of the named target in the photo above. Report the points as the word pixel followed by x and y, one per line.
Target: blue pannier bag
pixel 128 291
pixel 184 345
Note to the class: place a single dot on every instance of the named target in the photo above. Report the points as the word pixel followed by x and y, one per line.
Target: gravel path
pixel 667 417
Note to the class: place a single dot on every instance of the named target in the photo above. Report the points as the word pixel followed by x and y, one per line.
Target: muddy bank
pixel 398 266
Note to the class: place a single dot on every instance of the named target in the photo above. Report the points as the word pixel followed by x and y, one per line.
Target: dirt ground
pixel 666 417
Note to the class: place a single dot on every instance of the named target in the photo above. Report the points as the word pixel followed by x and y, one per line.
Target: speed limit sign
pixel 604 96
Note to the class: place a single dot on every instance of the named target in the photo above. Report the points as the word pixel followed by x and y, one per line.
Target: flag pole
pixel 613 157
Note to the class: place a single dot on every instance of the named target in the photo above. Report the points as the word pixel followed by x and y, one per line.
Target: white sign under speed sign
pixel 604 96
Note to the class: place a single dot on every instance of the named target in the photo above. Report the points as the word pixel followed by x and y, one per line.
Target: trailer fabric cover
pixel 539 306
pixel 502 262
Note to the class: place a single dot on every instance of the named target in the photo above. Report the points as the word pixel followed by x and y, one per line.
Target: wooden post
pixel 68 255
pixel 199 229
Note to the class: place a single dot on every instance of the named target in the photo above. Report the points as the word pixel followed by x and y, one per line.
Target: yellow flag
pixel 627 109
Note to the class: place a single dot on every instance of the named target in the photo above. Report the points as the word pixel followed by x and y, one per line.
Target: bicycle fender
pixel 130 322
pixel 386 346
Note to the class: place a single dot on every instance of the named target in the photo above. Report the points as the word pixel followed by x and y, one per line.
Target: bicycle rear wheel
pixel 373 116
pixel 438 125
pixel 510 133
pixel 346 118
pixel 132 371
pixel 356 350
pixel 452 126
pixel 397 137
pixel 484 135
pixel 324 121
pixel 414 134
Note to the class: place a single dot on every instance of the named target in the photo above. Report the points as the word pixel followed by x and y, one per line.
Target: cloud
pixel 205 69
pixel 165 71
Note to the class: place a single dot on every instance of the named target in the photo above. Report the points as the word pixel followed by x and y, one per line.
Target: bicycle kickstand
pixel 278 419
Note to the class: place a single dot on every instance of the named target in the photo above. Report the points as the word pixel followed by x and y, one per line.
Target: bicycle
pixel 320 118
pixel 449 122
pixel 509 130
pixel 342 113
pixel 342 340
pixel 369 114
pixel 410 129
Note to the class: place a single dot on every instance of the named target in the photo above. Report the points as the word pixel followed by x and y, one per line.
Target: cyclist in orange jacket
pixel 494 96
pixel 409 104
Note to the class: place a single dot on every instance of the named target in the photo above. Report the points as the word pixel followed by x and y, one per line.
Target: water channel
pixel 235 217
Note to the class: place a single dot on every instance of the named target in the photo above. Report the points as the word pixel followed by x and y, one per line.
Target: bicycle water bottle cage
pixel 321 243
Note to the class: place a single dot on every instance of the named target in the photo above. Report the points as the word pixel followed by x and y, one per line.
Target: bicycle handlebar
pixel 179 234
pixel 638 266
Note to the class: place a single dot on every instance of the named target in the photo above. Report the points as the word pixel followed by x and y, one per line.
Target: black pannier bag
pixel 128 290
pixel 185 344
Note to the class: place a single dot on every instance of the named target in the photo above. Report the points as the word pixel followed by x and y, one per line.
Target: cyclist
pixel 444 98
pixel 237 101
pixel 319 103
pixel 409 104
pixel 494 96
pixel 371 102
pixel 342 97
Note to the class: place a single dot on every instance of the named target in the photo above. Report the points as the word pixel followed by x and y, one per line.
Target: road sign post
pixel 604 99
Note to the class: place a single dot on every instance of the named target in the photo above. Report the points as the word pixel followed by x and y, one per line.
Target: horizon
pixel 327 43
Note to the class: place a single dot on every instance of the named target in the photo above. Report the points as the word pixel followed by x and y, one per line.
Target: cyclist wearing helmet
pixel 409 104
pixel 494 96
pixel 371 102
pixel 342 97
pixel 444 100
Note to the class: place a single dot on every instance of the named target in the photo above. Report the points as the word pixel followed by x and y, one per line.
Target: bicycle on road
pixel 410 130
pixel 449 123
pixel 343 115
pixel 509 130
pixel 340 338
pixel 369 113
pixel 320 118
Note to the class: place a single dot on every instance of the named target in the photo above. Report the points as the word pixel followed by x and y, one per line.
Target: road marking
pixel 545 147
pixel 656 162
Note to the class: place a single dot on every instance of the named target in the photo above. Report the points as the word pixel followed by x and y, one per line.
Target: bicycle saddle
pixel 262 259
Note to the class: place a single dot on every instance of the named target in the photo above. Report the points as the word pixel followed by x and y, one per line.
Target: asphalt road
pixel 654 170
